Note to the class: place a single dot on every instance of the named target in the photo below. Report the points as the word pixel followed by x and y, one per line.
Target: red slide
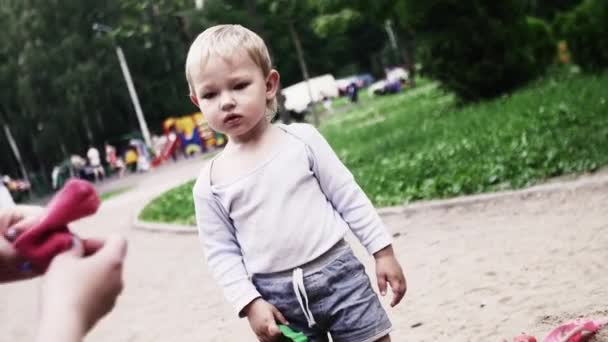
pixel 166 153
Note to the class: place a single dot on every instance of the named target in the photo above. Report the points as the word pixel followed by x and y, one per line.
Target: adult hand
pixel 77 291
pixel 13 221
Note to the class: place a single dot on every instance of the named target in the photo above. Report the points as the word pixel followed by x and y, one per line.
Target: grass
pixel 421 144
pixel 173 206
pixel 112 193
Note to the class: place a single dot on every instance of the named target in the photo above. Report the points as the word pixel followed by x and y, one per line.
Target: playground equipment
pixel 189 133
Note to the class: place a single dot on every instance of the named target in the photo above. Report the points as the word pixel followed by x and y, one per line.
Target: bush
pixel 542 42
pixel 586 30
pixel 479 49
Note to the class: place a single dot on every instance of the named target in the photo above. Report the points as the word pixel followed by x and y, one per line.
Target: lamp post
pixel 127 75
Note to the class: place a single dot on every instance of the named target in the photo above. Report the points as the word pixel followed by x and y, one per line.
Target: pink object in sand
pixel 524 338
pixel 579 330
pixel 51 236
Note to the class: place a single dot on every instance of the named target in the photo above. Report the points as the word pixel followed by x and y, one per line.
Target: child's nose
pixel 227 102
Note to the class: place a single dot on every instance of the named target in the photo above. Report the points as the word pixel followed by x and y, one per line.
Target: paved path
pixel 476 272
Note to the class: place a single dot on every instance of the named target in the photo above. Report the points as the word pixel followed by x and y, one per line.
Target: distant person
pixel 114 161
pixel 143 156
pixel 131 158
pixel 76 291
pixel 327 103
pixel 273 208
pixel 95 163
pixel 6 200
pixel 352 92
pixel 174 142
pixel 78 166
pixel 55 175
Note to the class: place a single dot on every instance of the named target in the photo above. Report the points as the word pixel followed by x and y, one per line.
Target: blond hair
pixel 224 41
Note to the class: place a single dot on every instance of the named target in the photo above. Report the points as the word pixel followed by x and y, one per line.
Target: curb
pixel 597 179
pixel 171 228
pixel 155 227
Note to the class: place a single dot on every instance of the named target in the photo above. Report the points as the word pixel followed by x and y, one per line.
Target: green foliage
pixel 549 9
pixel 339 22
pixel 420 145
pixel 113 193
pixel 477 49
pixel 358 19
pixel 62 87
pixel 173 206
pixel 542 43
pixel 586 30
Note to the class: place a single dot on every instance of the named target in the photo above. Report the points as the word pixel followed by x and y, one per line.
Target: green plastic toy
pixel 290 335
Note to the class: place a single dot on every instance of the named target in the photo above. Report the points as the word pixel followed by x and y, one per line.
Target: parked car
pixel 395 80
pixel 361 81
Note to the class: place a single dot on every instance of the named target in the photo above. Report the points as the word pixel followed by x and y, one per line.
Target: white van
pixel 297 97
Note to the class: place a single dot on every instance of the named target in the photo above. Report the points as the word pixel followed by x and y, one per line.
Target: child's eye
pixel 240 86
pixel 208 96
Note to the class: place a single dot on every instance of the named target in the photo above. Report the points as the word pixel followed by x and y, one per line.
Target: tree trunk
pixel 409 49
pixel 407 46
pixel 403 43
pixel 296 42
pixel 87 127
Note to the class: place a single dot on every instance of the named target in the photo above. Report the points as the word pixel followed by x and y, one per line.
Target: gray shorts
pixel 335 297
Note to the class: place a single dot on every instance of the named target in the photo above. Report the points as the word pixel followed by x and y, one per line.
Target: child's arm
pixel 341 189
pixel 222 252
pixel 226 263
pixel 356 209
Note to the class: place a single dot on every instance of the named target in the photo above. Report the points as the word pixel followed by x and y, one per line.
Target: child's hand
pixel 262 317
pixel 389 271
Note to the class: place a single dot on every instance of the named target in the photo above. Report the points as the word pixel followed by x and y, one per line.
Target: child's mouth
pixel 232 120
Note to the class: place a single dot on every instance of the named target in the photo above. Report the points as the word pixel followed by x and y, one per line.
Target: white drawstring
pixel 298 288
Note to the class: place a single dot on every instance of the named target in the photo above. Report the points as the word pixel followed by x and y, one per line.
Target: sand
pixel 484 270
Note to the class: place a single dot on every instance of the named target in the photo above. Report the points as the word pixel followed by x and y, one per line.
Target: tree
pixel 549 9
pixel 479 49
pixel 585 28
pixel 338 16
pixel 62 86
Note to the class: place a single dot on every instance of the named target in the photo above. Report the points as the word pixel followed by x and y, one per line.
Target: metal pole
pixel 140 115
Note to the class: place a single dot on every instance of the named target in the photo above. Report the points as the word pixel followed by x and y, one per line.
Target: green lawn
pixel 422 144
pixel 173 206
pixel 112 193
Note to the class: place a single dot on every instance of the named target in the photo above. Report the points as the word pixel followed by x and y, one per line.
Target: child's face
pixel 232 93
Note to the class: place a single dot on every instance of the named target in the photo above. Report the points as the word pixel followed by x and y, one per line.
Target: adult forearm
pixel 60 327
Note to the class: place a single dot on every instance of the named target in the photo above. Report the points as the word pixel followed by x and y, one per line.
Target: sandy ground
pixel 482 271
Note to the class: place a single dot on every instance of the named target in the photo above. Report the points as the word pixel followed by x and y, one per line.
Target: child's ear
pixel 272 84
pixel 194 100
